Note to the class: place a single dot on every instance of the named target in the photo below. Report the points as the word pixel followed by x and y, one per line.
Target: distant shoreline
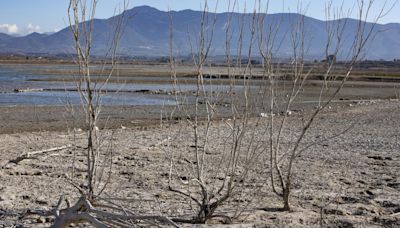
pixel 23 118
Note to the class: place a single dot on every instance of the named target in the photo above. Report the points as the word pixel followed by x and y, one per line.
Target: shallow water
pixel 23 77
pixel 18 77
pixel 64 98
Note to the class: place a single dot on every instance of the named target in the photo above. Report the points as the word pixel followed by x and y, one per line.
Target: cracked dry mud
pixel 353 179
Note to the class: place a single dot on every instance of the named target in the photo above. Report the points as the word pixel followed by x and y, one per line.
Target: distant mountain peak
pixel 4 34
pixel 36 35
pixel 147 33
pixel 144 9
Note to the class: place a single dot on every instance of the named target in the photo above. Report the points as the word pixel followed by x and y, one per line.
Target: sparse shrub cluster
pixel 240 132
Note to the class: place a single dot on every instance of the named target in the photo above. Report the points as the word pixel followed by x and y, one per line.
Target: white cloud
pixel 9 28
pixel 32 28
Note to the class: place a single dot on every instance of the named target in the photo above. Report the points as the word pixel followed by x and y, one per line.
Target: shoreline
pixel 26 118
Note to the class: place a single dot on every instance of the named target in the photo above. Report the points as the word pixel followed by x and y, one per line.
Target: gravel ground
pixel 353 179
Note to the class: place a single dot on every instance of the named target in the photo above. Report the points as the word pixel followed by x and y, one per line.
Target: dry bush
pixel 221 155
pixel 235 131
pixel 93 205
pixel 283 155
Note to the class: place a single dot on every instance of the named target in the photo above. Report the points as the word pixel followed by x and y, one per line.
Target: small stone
pixel 376 157
pixel 10 165
pixel 48 220
pixel 40 220
pixel 388 204
pixel 41 201
pixel 184 178
pixel 344 224
pixel 349 199
pixel 26 197
pixel 387 221
pixel 359 212
pixel 37 173
pixel 330 211
pixel 369 192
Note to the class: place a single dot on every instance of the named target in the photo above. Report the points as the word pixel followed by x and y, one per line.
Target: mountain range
pixel 147 33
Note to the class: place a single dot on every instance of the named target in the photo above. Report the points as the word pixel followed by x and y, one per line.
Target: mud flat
pixel 29 118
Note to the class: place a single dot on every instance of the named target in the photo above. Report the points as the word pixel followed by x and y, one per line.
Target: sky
pixel 21 17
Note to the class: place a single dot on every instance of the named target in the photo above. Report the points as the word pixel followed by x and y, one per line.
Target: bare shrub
pixel 222 149
pixel 287 140
pixel 92 206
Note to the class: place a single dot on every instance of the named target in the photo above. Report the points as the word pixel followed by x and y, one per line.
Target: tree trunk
pixel 285 197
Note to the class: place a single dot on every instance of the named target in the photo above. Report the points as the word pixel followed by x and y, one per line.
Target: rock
pixel 10 165
pixel 126 172
pixel 375 157
pixel 387 221
pixel 264 115
pixel 48 220
pixel 129 158
pixel 364 211
pixel 394 185
pixel 360 211
pixel 26 197
pixel 369 192
pixel 41 201
pixel 345 181
pixel 388 204
pixel 349 199
pixel 160 195
pixel 40 220
pixel 37 173
pixel 184 178
pixel 386 178
pixel 362 182
pixel 343 223
pixel 331 211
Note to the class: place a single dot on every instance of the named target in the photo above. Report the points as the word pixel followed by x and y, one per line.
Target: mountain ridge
pixel 147 34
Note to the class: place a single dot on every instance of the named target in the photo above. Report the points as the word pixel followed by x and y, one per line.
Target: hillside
pixel 147 34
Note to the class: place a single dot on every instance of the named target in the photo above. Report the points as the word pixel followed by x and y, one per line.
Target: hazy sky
pixel 26 16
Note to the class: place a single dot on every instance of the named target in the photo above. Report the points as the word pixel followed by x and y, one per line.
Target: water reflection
pixel 17 77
